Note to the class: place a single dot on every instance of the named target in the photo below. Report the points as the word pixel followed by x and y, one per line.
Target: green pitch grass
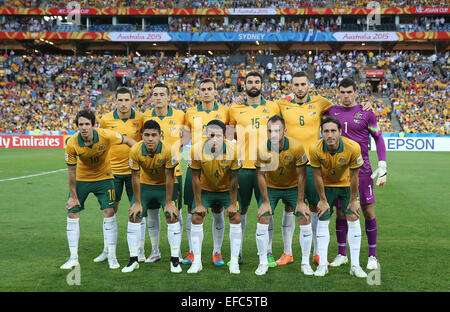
pixel 412 212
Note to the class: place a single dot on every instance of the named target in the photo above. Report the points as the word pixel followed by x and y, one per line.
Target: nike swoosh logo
pixel 320 236
pixel 110 203
pixel 260 235
pixel 242 112
pixel 307 235
pixel 113 127
pixel 288 108
pixel 337 114
pixel 176 233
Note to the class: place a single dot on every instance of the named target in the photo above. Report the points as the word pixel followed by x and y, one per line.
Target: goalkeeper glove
pixel 381 173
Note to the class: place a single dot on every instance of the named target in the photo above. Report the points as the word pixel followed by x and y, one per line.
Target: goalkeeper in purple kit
pixel 359 125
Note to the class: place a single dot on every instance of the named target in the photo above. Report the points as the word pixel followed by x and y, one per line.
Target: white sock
pixel 218 230
pixel 110 231
pixel 154 225
pixel 323 240
pixel 105 242
pixel 235 241
pixel 143 226
pixel 314 220
pixel 354 241
pixel 305 242
pixel 196 241
pixel 174 236
pixel 243 225
pixel 180 221
pixel 287 231
pixel 133 238
pixel 262 239
pixel 269 246
pixel 73 235
pixel 188 230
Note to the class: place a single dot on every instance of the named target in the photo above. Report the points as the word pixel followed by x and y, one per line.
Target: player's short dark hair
pixel 347 82
pixel 255 74
pixel 207 80
pixel 151 124
pixel 300 74
pixel 124 90
pixel 161 85
pixel 276 118
pixel 330 119
pixel 217 123
pixel 86 113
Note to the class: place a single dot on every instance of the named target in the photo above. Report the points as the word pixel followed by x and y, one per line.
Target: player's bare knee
pixel 302 220
pixel 135 220
pixel 236 218
pixel 74 215
pixel 217 210
pixel 368 211
pixel 172 221
pixel 340 214
pixel 197 219
pixel 190 209
pixel 108 213
pixel 351 217
pixel 288 208
pixel 264 219
pixel 244 210
pixel 313 208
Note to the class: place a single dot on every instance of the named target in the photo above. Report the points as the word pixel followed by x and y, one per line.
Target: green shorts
pixel 154 197
pixel 177 193
pixel 333 193
pixel 288 196
pixel 311 195
pixel 103 190
pixel 188 195
pixel 121 180
pixel 248 183
pixel 216 200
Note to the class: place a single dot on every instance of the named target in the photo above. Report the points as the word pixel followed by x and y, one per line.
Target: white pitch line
pixel 33 175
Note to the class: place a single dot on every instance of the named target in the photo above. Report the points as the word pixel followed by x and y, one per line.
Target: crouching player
pixel 215 167
pixel 281 174
pixel 153 187
pixel 331 158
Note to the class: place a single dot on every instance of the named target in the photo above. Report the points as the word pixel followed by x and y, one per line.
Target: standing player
pixel 196 119
pixel 155 188
pixel 89 171
pixel 250 121
pixel 171 121
pixel 332 157
pixel 128 122
pixel 303 114
pixel 282 175
pixel 359 125
pixel 215 166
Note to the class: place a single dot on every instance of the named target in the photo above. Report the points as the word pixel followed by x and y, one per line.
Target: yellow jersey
pixel 130 127
pixel 215 172
pixel 303 120
pixel 93 162
pixel 335 166
pixel 284 163
pixel 196 119
pixel 171 126
pixel 152 167
pixel 251 128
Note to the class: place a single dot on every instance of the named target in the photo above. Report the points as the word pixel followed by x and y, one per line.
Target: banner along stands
pixel 31 141
pixel 415 144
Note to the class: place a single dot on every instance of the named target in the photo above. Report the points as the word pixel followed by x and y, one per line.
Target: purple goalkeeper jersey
pixel 358 125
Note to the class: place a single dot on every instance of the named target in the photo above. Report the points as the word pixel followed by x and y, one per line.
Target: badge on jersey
pixel 304 158
pixel 359 160
pixel 118 135
pixel 66 156
pixel 131 163
pixel 174 161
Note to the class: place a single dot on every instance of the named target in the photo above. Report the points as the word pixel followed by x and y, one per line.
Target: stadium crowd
pixel 222 3
pixel 46 91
